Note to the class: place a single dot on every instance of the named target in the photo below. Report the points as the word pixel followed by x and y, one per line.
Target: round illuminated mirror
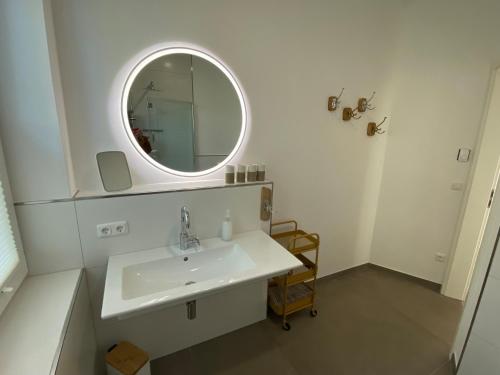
pixel 184 111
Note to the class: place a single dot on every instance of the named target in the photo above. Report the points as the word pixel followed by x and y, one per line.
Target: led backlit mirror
pixel 184 111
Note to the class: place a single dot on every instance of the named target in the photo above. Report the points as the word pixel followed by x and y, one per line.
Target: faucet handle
pixel 194 240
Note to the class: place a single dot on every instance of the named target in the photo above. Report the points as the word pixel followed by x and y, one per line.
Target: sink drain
pixel 190 282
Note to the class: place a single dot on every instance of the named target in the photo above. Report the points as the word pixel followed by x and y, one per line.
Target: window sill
pixel 33 326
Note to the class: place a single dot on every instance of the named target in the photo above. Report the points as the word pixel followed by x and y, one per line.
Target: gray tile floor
pixel 370 321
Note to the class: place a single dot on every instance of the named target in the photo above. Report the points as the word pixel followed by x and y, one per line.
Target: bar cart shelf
pixel 295 291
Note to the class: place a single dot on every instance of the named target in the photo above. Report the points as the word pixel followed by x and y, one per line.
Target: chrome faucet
pixel 187 240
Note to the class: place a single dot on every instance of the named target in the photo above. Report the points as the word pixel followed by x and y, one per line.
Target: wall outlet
pixel 104 230
pixel 119 228
pixel 440 257
pixel 116 228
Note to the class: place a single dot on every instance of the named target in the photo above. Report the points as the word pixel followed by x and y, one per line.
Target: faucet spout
pixel 187 240
pixel 185 224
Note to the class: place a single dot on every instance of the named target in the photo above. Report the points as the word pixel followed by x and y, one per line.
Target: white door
pixel 481 318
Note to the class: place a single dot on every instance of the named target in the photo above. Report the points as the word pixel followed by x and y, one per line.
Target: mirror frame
pixel 196 52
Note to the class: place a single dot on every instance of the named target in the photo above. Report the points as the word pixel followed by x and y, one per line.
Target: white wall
pixel 50 237
pixel 154 220
pixel 445 55
pixel 289 56
pixel 31 112
pixel 63 235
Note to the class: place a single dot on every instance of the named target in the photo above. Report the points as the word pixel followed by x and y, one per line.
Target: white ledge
pixel 33 325
pixel 170 187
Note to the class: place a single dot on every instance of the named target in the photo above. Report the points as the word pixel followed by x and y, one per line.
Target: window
pixel 9 257
pixel 13 267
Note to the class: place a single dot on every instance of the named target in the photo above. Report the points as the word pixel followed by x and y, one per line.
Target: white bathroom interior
pixel 150 150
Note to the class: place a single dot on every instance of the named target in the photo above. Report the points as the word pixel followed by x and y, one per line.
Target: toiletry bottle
pixel 240 174
pixel 227 227
pixel 229 174
pixel 252 173
pixel 261 172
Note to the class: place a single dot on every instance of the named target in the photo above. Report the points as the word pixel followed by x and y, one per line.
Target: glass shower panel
pixel 171 128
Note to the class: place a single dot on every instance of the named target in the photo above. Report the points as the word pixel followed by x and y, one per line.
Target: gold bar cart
pixel 296 290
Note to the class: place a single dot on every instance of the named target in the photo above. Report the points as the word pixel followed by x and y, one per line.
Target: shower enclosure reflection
pixel 184 112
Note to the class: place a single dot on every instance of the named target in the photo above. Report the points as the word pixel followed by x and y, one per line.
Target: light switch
pixel 463 155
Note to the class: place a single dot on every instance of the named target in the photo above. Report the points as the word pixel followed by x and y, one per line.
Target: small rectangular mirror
pixel 114 171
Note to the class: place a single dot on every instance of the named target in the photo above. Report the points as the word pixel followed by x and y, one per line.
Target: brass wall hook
pixel 334 101
pixel 373 128
pixel 348 113
pixel 364 104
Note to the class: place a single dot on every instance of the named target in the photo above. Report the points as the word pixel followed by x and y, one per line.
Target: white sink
pixel 150 279
pixel 169 273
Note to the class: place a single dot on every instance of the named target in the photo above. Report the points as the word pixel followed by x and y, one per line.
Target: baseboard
pixel 429 284
pixel 344 272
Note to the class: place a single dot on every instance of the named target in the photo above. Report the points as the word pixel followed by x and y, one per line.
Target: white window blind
pixel 9 258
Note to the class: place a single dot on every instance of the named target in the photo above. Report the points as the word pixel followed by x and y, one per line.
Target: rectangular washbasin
pixel 179 271
pixel 147 280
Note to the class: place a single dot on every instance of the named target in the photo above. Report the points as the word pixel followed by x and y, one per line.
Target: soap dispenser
pixel 227 227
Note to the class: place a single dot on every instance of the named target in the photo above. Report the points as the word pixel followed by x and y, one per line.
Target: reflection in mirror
pixel 184 112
